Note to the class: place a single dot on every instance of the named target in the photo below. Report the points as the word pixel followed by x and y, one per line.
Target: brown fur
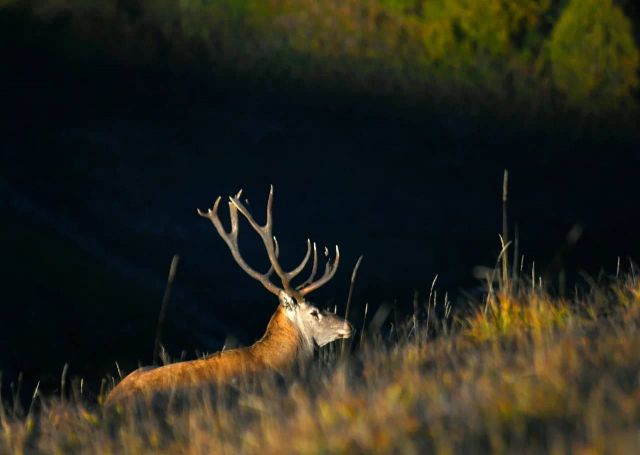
pixel 277 350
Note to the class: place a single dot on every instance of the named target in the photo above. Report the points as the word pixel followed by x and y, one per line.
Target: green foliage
pixel 400 6
pixel 594 61
pixel 495 53
pixel 481 45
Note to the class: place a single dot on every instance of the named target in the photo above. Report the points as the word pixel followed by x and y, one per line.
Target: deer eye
pixel 314 313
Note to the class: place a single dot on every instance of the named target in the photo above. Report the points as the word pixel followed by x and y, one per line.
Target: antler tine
pixel 277 246
pixel 295 272
pixel 231 239
pixel 265 233
pixel 269 223
pixel 329 272
pixel 233 215
pixel 314 269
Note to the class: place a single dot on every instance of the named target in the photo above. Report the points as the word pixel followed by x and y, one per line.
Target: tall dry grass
pixel 521 371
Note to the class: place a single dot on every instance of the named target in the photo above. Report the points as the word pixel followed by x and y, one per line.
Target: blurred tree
pixel 482 46
pixel 592 55
pixel 492 52
pixel 400 6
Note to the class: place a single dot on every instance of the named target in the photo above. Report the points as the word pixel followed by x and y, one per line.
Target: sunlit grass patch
pixel 523 371
pixel 508 313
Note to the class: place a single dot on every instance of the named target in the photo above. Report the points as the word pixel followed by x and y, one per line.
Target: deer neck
pixel 283 344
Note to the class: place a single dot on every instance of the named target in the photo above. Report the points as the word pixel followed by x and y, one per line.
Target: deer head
pixel 315 327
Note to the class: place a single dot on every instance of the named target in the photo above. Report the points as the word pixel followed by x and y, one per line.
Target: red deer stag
pixel 294 330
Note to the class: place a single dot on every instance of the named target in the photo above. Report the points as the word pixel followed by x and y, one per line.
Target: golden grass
pixel 521 372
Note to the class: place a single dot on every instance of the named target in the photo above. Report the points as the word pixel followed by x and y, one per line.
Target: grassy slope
pixel 519 371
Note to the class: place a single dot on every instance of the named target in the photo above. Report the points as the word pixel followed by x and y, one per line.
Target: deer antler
pixel 329 270
pixel 231 239
pixel 271 245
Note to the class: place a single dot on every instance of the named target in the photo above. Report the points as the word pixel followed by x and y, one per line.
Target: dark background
pixel 105 162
